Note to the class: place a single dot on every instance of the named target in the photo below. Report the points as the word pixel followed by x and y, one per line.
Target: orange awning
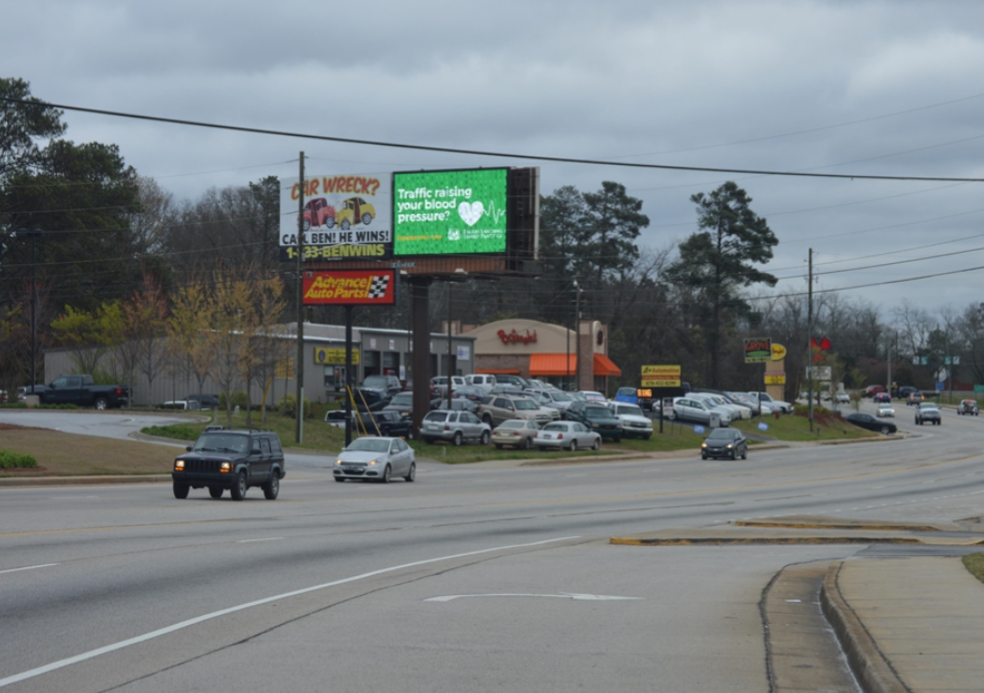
pixel 498 371
pixel 604 366
pixel 552 364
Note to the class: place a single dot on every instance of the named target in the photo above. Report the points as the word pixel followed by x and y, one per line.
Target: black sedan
pixel 389 423
pixel 725 442
pixel 871 423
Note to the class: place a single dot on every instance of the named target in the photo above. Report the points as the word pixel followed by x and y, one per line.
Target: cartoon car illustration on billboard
pixel 354 210
pixel 318 212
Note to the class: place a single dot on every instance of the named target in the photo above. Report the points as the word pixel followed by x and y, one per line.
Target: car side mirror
pixel 188 448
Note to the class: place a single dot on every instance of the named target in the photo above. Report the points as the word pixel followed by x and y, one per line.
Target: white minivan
pixel 482 380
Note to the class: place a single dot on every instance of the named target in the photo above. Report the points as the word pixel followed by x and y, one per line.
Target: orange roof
pixel 604 366
pixel 552 364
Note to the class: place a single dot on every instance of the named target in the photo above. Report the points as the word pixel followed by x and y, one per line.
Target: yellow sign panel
pixel 652 382
pixel 775 378
pixel 778 352
pixel 661 371
pixel 324 355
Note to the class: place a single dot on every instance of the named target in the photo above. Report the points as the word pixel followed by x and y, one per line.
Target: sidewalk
pixel 908 624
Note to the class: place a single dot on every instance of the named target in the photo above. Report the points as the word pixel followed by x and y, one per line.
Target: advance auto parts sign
pixel 355 287
pixel 450 212
pixel 348 216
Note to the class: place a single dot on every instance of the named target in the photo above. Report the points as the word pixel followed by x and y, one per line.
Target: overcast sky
pixel 865 88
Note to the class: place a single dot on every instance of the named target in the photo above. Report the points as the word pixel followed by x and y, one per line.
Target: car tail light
pixel 560 436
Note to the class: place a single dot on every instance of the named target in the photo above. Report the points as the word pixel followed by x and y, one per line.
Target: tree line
pixel 123 265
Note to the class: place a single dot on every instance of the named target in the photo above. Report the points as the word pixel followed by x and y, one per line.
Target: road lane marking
pixel 562 595
pixel 250 541
pixel 29 567
pixel 91 654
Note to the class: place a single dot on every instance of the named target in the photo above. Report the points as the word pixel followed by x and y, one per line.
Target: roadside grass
pixel 67 454
pixel 974 562
pixel 793 427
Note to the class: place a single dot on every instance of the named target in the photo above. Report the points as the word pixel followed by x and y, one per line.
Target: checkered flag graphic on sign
pixel 377 289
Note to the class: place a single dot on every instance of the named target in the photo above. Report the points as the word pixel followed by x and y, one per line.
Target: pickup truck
pixel 80 390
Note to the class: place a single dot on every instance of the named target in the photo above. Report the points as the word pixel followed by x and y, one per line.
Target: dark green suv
pixel 231 459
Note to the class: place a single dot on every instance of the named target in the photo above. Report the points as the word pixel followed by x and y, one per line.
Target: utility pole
pixel 299 365
pixel 809 341
pixel 577 337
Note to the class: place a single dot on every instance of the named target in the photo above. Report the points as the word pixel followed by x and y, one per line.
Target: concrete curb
pixel 84 480
pixel 869 666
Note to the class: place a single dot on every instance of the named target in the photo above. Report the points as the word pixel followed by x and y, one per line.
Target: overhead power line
pixel 477 152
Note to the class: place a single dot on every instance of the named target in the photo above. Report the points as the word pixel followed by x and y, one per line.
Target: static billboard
pixel 345 216
pixel 350 287
pixel 450 212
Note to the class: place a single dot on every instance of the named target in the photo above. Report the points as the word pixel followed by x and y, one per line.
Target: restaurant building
pixel 532 349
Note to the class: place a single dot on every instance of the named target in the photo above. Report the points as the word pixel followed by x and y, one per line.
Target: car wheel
pixel 238 489
pixel 181 490
pixel 412 473
pixel 306 225
pixel 215 491
pixel 734 454
pixel 744 454
pixel 703 456
pixel 597 444
pixel 671 415
pixel 271 489
pixel 101 404
pixel 485 438
pixel 339 479
pixel 573 447
pixel 410 433
pixel 345 225
pixel 885 430
pixel 366 218
pixel 458 438
pixel 387 473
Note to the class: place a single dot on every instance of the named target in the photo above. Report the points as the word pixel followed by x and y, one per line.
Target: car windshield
pixel 630 410
pixel 555 427
pixel 559 396
pixel 404 398
pixel 723 434
pixel 220 442
pixel 368 445
pixel 599 413
pixel 525 405
pixel 376 381
pixel 512 423
pixel 436 416
pixel 928 405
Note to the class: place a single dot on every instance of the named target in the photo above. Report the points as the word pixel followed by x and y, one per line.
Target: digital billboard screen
pixel 450 212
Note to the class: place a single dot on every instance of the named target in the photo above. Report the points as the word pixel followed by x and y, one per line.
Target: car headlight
pixel 372 463
pixel 338 462
pixel 728 446
pixel 225 467
pixel 179 465
pixel 703 445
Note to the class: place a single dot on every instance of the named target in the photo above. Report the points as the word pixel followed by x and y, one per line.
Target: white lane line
pixel 29 567
pixel 562 595
pixel 250 541
pixel 91 654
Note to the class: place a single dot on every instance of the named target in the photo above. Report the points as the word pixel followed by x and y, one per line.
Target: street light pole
pixel 33 235
pixel 577 337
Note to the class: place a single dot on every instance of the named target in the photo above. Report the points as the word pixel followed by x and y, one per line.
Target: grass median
pixel 64 454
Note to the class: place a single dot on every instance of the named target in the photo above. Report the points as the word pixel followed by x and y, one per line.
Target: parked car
pixel 692 410
pixel 758 407
pixel 598 418
pixel 543 401
pixel 402 403
pixel 885 411
pixel 968 406
pixel 389 385
pixel 370 400
pixel 567 434
pixel 231 459
pixel 82 391
pixel 456 404
pixel 439 384
pixel 725 442
pixel 635 424
pixel 784 407
pixel 871 423
pixel 472 392
pixel 481 380
pixel 518 433
pixel 501 408
pixel 737 411
pixel 377 459
pixel 559 400
pixel 629 395
pixel 928 412
pixel 882 397
pixel 510 379
pixel 389 423
pixel 592 396
pixel 455 427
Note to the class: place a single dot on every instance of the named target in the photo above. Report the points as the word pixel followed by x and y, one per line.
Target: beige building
pixel 532 349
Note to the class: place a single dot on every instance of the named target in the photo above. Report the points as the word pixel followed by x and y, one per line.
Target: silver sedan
pixel 378 459
pixel 566 434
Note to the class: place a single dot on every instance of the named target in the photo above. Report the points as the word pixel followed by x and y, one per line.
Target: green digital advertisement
pixel 450 212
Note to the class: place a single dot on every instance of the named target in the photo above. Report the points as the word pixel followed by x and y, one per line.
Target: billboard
pixel 345 216
pixel 660 376
pixel 758 350
pixel 459 212
pixel 350 287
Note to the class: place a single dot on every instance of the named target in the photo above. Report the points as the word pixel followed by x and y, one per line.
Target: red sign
pixel 515 337
pixel 350 287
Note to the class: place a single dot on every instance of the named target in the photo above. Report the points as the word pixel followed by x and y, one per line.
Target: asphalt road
pixel 472 578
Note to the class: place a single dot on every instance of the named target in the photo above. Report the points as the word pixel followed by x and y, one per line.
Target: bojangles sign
pixel 515 337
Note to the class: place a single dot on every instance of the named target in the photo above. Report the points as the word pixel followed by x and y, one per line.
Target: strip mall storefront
pixel 548 352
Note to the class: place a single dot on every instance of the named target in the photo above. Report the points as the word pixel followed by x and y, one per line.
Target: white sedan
pixel 566 434
pixel 376 458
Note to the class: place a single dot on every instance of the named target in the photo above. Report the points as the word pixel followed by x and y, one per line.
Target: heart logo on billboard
pixel 471 212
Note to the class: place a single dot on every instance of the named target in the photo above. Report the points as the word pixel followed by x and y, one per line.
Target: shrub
pixel 288 407
pixel 16 460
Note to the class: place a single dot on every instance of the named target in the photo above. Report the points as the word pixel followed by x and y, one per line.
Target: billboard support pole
pixel 450 369
pixel 299 366
pixel 809 342
pixel 348 375
pixel 419 290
